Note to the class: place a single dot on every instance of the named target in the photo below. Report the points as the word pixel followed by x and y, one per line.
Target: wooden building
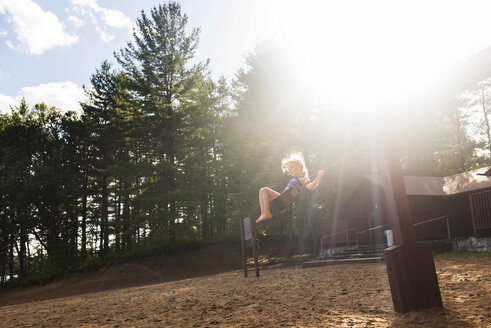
pixel 456 206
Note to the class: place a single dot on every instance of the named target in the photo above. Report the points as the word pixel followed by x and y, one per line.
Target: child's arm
pixel 313 184
pixel 304 180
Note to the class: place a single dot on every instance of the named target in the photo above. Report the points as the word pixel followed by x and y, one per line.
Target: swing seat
pixel 286 214
pixel 285 199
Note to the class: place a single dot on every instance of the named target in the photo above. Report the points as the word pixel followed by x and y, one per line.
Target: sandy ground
pixel 353 295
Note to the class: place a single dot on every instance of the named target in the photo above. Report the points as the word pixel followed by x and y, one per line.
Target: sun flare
pixel 370 54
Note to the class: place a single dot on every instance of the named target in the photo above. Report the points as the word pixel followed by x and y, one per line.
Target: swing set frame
pixel 248 237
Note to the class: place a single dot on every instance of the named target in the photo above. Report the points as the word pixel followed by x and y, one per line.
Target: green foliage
pixel 462 255
pixel 162 157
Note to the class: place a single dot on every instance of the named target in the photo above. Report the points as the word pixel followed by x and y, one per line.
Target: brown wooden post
pixel 250 237
pixel 253 232
pixel 410 266
pixel 242 237
pixel 473 215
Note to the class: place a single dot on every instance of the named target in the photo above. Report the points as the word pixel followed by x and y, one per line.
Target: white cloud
pixel 75 21
pixel 36 29
pixel 10 44
pixel 4 75
pixel 63 95
pixel 105 36
pixel 115 18
pixel 6 102
pixel 109 18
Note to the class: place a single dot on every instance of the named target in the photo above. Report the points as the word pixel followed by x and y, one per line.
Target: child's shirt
pixel 293 184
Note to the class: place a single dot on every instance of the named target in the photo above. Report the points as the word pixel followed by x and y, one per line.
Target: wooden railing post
pixel 253 231
pixel 242 237
pixel 248 236
pixel 473 215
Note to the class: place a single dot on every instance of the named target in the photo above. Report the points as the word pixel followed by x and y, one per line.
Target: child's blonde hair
pixel 296 158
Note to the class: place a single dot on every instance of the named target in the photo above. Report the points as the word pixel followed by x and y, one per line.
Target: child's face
pixel 294 169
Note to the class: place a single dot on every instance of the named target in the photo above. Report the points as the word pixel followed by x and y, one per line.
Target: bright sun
pixel 369 53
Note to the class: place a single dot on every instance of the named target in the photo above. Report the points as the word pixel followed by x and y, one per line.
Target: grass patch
pixel 265 260
pixel 462 254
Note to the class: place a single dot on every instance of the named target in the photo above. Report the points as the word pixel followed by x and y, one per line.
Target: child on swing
pixel 295 166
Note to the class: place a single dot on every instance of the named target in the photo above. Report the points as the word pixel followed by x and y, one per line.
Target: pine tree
pixel 111 120
pixel 454 148
pixel 164 83
pixel 480 98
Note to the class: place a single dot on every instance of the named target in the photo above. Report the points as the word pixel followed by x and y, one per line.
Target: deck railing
pixel 480 211
pixel 436 219
pixel 380 227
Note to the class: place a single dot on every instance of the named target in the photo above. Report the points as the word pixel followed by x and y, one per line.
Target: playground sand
pixel 352 295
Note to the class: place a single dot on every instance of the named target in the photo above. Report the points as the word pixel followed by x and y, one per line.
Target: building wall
pixel 366 208
pixel 460 216
pixel 424 208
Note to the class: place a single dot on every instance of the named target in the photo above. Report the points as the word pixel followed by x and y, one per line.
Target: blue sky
pixel 49 48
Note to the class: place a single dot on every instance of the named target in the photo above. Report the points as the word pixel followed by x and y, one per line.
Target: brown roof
pixel 454 184
pixel 425 186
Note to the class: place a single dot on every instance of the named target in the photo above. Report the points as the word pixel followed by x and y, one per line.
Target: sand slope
pixel 355 295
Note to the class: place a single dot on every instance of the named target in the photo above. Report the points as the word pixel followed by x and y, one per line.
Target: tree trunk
pixel 172 200
pixel 83 226
pixel 204 220
pixel 460 140
pixel 127 229
pixel 4 239
pixel 11 257
pixel 104 237
pixel 3 267
pixel 117 223
pixel 22 250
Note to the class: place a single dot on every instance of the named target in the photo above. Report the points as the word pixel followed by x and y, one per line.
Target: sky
pixel 50 48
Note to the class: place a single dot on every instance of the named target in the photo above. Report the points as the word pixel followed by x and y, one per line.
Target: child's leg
pixel 265 196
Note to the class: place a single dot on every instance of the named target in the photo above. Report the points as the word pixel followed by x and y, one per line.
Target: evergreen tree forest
pixel 161 155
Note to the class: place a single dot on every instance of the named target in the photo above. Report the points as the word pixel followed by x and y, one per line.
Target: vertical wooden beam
pixel 242 237
pixel 253 232
pixel 473 214
pixel 395 193
pixel 410 266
